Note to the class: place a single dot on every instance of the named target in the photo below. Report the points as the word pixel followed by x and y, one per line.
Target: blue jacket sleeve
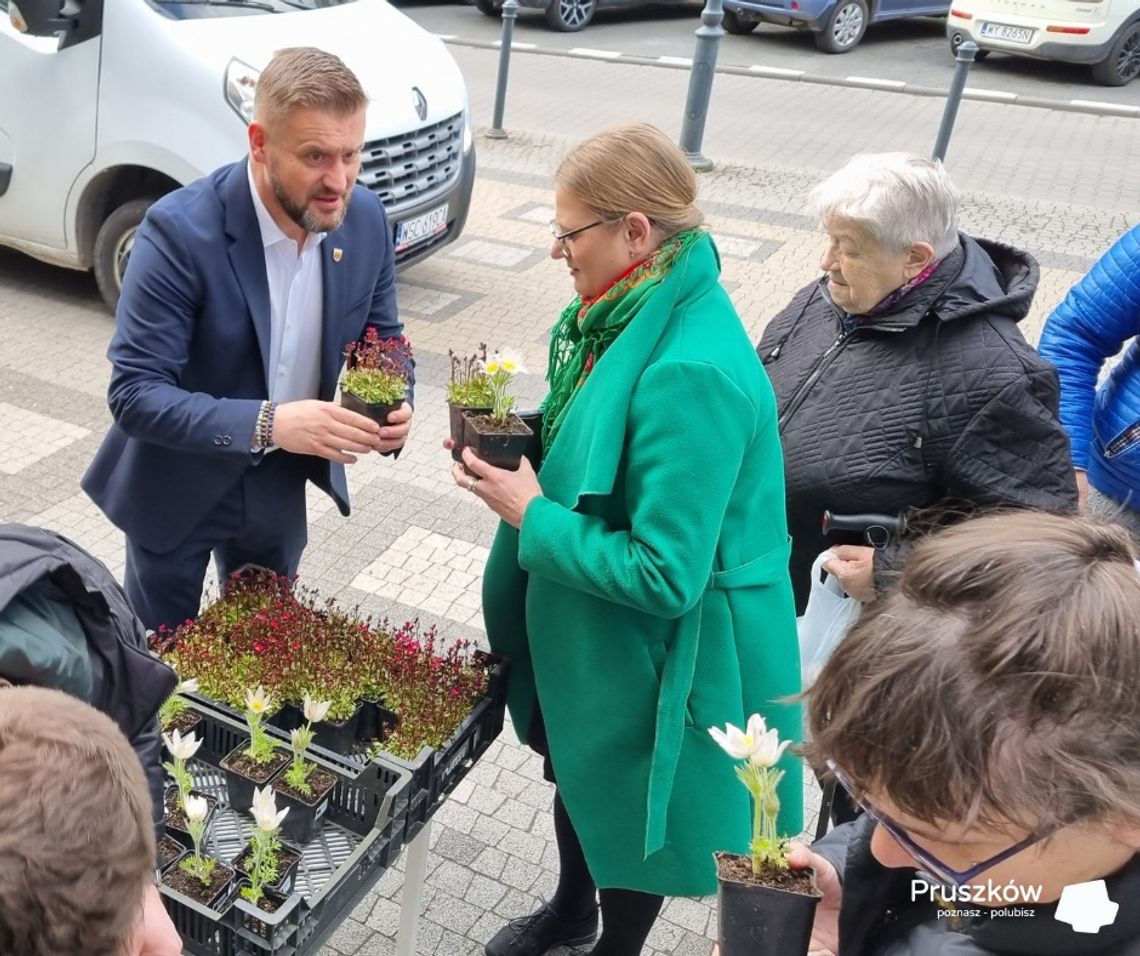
pixel 1100 313
pixel 155 324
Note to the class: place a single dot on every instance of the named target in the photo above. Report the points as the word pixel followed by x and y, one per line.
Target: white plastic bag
pixel 829 615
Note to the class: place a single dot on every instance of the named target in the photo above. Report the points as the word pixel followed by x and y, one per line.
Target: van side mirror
pixel 44 18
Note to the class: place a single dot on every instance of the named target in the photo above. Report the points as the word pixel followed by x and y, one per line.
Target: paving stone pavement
pixel 415 543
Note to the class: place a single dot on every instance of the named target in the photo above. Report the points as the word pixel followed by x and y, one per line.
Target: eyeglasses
pixel 942 872
pixel 561 237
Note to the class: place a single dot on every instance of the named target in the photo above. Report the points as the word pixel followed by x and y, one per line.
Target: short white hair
pixel 898 198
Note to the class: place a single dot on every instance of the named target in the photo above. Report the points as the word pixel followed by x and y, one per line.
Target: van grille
pixel 412 166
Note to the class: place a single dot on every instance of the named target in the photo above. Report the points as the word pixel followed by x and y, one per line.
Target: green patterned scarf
pixel 587 327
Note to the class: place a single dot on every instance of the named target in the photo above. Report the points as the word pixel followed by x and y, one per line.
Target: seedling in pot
pixel 181 750
pixel 264 843
pixel 300 739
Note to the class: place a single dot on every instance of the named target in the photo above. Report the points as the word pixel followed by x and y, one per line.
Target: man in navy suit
pixel 243 290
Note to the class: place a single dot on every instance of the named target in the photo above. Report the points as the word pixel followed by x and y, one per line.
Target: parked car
pixel 1102 33
pixel 567 16
pixel 106 105
pixel 838 25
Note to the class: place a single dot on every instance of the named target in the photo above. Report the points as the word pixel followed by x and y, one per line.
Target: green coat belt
pixel 646 596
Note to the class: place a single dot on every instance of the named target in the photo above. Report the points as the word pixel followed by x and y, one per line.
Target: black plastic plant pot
pixel 306 814
pixel 501 446
pixel 214 896
pixel 757 920
pixel 272 918
pixel 175 820
pixel 378 411
pixel 287 717
pixel 376 721
pixel 288 858
pixel 455 418
pixel 243 777
pixel 169 852
pixel 340 737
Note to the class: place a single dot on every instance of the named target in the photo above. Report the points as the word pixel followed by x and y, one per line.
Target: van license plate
pixel 1002 31
pixel 413 231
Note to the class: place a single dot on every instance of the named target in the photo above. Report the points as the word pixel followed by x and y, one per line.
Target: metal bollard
pixel 700 84
pixel 965 56
pixel 510 14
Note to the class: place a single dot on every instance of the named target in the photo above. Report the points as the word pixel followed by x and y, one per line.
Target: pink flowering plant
pixel 378 369
pixel 269 633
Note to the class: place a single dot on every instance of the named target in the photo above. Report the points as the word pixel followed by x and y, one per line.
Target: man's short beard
pixel 302 215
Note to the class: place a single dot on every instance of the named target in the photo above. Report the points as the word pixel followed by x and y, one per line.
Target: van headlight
pixel 241 83
pixel 468 136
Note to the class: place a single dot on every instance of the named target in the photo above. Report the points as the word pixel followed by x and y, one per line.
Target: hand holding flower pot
pixel 765 909
pixel 498 437
pixel 376 379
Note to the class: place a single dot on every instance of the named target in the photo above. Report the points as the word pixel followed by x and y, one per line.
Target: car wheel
pixel 113 244
pixel 569 16
pixel 844 28
pixel 957 39
pixel 1123 63
pixel 735 24
pixel 491 8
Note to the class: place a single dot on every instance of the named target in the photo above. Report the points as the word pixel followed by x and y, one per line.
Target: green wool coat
pixel 646 597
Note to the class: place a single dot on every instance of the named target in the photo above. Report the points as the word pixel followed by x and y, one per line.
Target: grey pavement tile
pixel 452 913
pixel 385 917
pixel 451 878
pixel 488 830
pixel 490 862
pixel 458 847
pixel 521 874
pixel 523 845
pixel 484 892
pixel 349 937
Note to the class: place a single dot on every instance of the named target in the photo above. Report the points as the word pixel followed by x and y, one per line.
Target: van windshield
pixel 196 9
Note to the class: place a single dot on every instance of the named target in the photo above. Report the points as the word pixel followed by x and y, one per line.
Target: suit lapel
pixel 333 340
pixel 247 256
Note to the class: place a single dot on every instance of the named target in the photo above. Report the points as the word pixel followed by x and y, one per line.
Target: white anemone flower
pixel 181 748
pixel 258 701
pixel 264 810
pixel 196 808
pixel 316 710
pixel 511 361
pixel 756 744
pixel 187 686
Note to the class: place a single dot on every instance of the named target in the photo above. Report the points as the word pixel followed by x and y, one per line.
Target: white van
pixel 1103 33
pixel 105 105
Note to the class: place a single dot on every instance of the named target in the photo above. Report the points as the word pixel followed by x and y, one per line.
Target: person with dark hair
pixel 76 844
pixel 243 291
pixel 985 714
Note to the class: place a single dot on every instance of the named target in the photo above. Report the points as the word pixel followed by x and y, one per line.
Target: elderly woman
pixel 639 584
pixel 901 376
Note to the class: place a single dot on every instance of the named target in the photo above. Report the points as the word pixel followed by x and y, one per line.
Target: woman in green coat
pixel 639 583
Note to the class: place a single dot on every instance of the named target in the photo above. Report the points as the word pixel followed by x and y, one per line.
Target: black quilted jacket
pixel 938 399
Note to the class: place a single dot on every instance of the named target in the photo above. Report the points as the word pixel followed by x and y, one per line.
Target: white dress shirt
pixel 295 288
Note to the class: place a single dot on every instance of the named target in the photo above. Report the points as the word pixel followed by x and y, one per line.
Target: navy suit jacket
pixel 191 351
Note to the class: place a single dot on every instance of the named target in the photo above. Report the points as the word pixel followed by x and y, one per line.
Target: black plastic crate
pixel 364 833
pixel 435 773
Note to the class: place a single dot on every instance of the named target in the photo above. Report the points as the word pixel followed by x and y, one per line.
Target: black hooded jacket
pixel 126 681
pixel 879 918
pixel 938 399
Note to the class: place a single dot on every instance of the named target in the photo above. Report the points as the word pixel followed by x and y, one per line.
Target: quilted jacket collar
pixel 981 275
